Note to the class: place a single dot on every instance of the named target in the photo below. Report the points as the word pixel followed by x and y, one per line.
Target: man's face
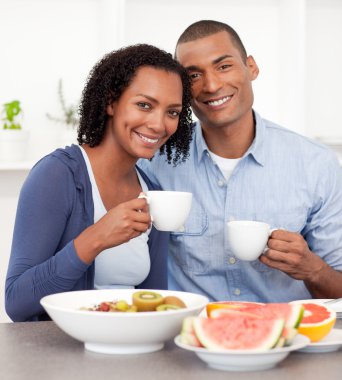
pixel 222 92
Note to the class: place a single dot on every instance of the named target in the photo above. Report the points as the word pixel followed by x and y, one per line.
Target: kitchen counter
pixel 40 350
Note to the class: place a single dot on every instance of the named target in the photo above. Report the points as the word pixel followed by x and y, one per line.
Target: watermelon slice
pixel 291 313
pixel 239 331
pixel 188 335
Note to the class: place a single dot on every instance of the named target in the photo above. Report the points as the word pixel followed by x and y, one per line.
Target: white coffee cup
pixel 169 209
pixel 248 239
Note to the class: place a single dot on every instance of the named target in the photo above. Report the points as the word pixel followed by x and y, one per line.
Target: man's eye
pixel 194 76
pixel 224 67
pixel 144 105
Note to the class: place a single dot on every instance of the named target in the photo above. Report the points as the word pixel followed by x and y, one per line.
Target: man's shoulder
pixel 292 140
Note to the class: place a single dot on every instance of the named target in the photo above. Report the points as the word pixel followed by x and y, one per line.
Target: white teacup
pixel 169 209
pixel 248 239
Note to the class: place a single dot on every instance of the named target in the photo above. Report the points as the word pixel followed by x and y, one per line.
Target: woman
pixel 80 223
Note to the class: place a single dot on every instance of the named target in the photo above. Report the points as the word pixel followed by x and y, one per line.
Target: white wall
pixel 296 43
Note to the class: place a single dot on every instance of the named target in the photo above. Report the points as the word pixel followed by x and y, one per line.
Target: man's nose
pixel 212 82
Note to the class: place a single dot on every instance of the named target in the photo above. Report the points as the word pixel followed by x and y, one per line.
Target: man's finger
pixel 279 245
pixel 284 235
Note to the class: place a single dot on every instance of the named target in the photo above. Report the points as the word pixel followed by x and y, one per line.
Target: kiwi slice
pixel 147 301
pixel 173 300
pixel 166 307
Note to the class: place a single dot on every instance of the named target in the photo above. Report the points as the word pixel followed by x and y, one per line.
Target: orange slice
pixel 235 305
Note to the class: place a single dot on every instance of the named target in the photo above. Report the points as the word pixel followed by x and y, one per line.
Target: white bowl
pixel 118 333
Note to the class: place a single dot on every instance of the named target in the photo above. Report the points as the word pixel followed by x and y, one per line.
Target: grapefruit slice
pixel 239 331
pixel 317 322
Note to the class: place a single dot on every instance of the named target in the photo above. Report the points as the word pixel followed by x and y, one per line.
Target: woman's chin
pixel 147 153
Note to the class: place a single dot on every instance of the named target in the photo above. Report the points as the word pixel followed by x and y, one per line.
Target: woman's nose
pixel 156 121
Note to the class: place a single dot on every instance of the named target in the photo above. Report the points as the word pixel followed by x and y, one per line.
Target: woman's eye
pixel 144 105
pixel 174 113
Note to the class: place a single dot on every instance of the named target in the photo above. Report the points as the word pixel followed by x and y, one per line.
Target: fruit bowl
pixel 118 333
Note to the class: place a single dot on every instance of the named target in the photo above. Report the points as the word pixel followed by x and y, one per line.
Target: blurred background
pixel 48 48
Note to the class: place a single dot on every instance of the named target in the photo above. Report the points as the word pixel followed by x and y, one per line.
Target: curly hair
pixel 108 80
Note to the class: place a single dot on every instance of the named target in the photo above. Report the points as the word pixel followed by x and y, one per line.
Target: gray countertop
pixel 40 350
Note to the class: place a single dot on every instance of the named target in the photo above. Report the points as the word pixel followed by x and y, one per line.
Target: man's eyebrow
pixel 214 62
pixel 192 68
pixel 219 59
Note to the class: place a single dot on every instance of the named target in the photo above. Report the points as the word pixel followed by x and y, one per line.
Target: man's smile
pixel 217 102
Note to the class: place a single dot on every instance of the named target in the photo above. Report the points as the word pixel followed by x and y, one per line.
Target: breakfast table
pixel 41 350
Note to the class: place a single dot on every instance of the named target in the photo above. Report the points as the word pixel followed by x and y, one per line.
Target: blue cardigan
pixel 55 206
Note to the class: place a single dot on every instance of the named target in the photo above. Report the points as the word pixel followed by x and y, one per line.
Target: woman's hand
pixel 121 224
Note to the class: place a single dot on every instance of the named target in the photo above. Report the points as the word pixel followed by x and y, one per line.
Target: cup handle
pixel 144 196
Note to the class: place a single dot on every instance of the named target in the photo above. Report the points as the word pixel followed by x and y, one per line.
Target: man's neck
pixel 231 141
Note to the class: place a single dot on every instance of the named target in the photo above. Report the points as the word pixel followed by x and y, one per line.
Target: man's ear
pixel 252 67
pixel 110 109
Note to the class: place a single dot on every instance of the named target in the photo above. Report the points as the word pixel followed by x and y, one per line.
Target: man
pixel 242 167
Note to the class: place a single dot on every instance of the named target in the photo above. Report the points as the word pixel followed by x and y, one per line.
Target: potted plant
pixel 69 117
pixel 13 139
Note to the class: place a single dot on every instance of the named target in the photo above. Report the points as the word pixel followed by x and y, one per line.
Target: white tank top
pixel 226 165
pixel 125 265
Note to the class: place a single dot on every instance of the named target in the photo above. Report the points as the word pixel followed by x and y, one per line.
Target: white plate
pixel 332 342
pixel 244 360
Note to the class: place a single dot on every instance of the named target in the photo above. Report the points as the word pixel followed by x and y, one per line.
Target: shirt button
pixel 237 291
pixel 220 183
pixel 181 229
pixel 232 260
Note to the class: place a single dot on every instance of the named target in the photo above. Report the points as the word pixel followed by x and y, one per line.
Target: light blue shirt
pixel 283 179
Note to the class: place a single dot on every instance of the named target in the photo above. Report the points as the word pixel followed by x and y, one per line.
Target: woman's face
pixel 147 113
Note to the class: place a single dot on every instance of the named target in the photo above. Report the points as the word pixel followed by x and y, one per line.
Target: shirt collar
pixel 201 145
pixel 256 150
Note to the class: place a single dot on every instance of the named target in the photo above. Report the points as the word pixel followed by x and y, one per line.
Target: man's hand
pixel 289 253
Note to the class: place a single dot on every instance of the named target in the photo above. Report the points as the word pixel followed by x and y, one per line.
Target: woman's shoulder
pixel 62 159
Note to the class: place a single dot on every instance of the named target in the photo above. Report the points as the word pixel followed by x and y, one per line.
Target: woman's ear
pixel 110 109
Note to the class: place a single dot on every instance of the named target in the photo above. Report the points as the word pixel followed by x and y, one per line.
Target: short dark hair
pixel 111 76
pixel 204 28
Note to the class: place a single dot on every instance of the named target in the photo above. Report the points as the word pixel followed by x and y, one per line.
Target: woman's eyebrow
pixel 152 99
